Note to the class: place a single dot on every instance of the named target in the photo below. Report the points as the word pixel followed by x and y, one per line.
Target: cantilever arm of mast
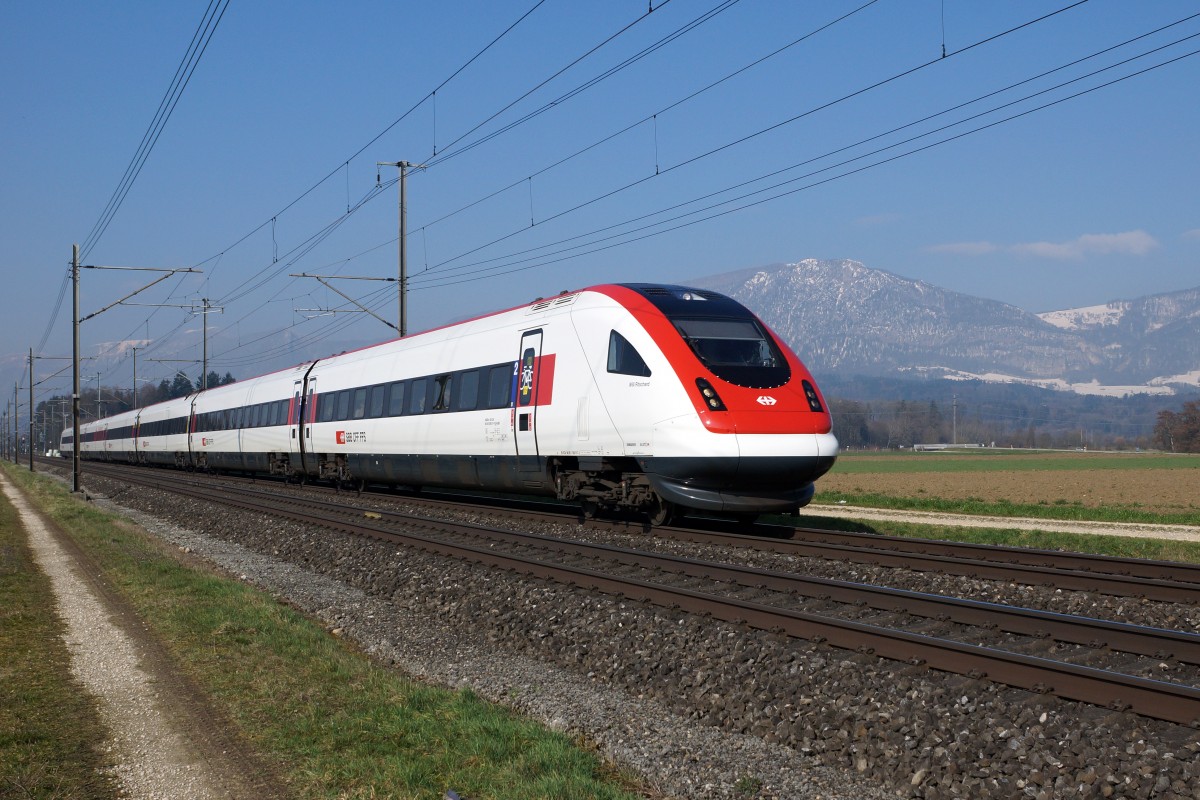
pixel 324 279
pixel 169 272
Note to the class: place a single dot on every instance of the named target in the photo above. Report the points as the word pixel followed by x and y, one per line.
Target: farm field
pixel 1076 485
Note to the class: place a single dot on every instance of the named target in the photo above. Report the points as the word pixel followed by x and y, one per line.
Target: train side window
pixel 416 396
pixel 441 392
pixel 467 394
pixel 360 402
pixel 500 385
pixel 624 359
pixel 326 405
pixel 396 399
pixel 272 415
pixel 281 418
pixel 375 404
pixel 343 405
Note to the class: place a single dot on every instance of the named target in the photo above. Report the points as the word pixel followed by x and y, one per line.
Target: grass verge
pixel 1119 546
pixel 49 726
pixel 334 723
pixel 978 506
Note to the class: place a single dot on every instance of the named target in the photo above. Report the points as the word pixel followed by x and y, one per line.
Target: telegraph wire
pixel 855 171
pixel 342 326
pixel 856 144
pixel 495 274
pixel 593 81
pixel 321 235
pixel 323 180
pixel 258 280
pixel 166 107
pixel 775 126
pixel 62 292
pixel 384 132
pixel 654 117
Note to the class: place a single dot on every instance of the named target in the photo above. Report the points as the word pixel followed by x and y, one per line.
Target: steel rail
pixel 1162 581
pixel 1163 590
pixel 1160 643
pixel 1166 701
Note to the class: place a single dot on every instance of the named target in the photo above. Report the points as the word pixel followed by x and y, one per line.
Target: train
pixel 659 400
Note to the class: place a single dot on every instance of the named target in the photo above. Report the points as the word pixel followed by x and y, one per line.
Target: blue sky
pixel 291 106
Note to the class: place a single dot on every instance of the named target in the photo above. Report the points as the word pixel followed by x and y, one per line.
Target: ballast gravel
pixel 699 708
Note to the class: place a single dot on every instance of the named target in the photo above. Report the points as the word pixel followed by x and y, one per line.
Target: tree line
pixel 901 424
pixel 1179 431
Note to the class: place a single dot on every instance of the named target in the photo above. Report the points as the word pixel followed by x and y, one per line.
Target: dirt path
pixel 1188 533
pixel 167 743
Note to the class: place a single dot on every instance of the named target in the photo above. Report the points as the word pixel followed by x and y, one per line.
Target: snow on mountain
pixel 1090 317
pixel 844 316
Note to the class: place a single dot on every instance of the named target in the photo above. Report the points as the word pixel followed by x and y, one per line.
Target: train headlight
pixel 711 398
pixel 810 394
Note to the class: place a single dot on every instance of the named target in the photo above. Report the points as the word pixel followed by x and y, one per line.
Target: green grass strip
pixel 333 723
pixel 1003 508
pixel 50 728
pixel 859 463
pixel 1099 544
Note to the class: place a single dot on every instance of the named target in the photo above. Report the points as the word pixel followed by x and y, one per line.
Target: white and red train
pixel 627 396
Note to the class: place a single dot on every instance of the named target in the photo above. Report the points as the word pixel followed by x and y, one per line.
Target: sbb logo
pixel 766 400
pixel 341 437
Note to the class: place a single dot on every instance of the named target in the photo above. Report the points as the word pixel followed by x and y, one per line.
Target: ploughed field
pixel 1154 483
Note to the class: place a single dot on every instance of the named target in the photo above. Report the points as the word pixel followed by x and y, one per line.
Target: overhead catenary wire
pixel 855 171
pixel 991 38
pixel 860 142
pixel 257 281
pixel 343 164
pixel 166 107
pixel 382 133
pixel 794 118
pixel 259 286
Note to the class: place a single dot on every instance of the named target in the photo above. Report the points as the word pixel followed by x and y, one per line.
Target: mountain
pixel 844 317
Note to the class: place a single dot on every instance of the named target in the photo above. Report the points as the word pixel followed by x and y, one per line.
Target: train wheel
pixel 588 509
pixel 661 512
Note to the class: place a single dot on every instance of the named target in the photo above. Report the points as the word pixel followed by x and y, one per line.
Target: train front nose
pixel 756 474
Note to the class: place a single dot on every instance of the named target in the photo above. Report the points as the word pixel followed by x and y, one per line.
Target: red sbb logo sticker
pixel 341 437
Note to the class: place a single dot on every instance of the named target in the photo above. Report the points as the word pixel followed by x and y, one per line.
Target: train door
pixel 525 409
pixel 296 424
pixel 302 416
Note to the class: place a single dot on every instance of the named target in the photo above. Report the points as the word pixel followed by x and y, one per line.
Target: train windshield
pixel 735 350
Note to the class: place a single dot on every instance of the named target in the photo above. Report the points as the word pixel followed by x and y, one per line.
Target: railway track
pixel 1107 664
pixel 1162 581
